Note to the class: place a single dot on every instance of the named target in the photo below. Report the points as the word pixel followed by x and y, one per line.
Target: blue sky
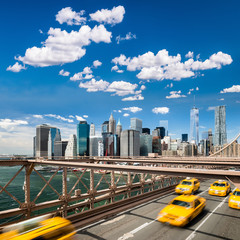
pixel 144 59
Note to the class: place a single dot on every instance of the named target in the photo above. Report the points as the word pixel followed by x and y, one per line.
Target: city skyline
pixel 143 61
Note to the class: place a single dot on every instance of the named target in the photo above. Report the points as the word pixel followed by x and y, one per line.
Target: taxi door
pixel 196 185
pixel 197 208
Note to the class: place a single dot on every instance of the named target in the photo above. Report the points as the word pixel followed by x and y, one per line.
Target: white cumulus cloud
pixel 59 117
pixel 62 47
pixel 161 110
pixel 128 36
pixel 134 98
pixel 115 68
pixel 64 73
pixel 94 86
pixel 126 114
pixel 6 123
pixel 85 74
pixel 175 94
pixel 79 118
pixel 67 15
pixel 97 63
pixel 106 16
pixel 38 116
pixel 121 88
pixel 163 66
pixel 234 88
pixel 16 67
pixel 189 54
pixel 132 109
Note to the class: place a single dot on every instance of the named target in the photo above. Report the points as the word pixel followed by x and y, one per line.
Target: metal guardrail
pixel 118 186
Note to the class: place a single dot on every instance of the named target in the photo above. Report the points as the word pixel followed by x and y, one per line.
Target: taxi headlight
pixel 162 214
pixel 234 201
pixel 181 219
pixel 177 188
pixel 222 191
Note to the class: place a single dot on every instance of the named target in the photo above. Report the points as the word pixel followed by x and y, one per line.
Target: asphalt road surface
pixel 217 221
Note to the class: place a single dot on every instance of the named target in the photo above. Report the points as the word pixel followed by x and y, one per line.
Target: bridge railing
pixel 34 190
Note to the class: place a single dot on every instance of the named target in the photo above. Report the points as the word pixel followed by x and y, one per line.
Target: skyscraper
pixel 112 125
pixel 119 128
pixel 130 143
pixel 100 148
pixel 54 135
pixel 92 130
pixel 184 137
pixel 71 149
pixel 93 145
pixel 145 144
pixel 34 146
pixel 136 124
pixel 146 130
pixel 164 123
pixel 42 132
pixel 105 127
pixel 194 126
pixel 59 149
pixel 210 137
pixel 83 138
pixel 220 126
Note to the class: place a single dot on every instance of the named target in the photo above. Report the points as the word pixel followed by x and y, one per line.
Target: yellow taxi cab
pixel 188 186
pixel 181 210
pixel 234 200
pixel 219 188
pixel 38 229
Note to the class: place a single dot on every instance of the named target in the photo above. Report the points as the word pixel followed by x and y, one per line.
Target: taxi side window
pixel 197 203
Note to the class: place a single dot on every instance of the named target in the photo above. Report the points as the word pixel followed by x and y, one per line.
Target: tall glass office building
pixel 83 130
pixel 164 123
pixel 54 135
pixel 136 124
pixel 194 125
pixel 220 126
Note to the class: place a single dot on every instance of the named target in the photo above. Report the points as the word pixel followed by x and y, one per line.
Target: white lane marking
pixel 113 220
pixel 203 192
pixel 193 234
pixel 131 234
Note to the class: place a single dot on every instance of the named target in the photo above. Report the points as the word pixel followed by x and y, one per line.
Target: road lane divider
pixel 131 234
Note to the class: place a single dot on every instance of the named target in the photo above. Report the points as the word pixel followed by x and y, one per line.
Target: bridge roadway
pixel 217 221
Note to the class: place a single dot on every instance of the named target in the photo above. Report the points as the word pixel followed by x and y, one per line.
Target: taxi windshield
pixel 181 203
pixel 219 185
pixel 186 183
pixel 236 193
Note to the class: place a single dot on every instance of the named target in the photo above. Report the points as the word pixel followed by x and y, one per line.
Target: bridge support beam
pixel 64 191
pixel 235 181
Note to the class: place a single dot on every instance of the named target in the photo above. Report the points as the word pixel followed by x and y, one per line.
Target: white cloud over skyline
pixel 106 16
pixel 175 94
pixel 64 73
pixel 134 98
pixel 70 17
pixel 161 110
pixel 63 47
pixel 132 109
pixel 128 36
pixel 97 63
pixel 163 66
pixel 233 89
pixel 16 67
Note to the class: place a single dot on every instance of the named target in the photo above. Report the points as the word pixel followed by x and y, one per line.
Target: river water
pixel 36 184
